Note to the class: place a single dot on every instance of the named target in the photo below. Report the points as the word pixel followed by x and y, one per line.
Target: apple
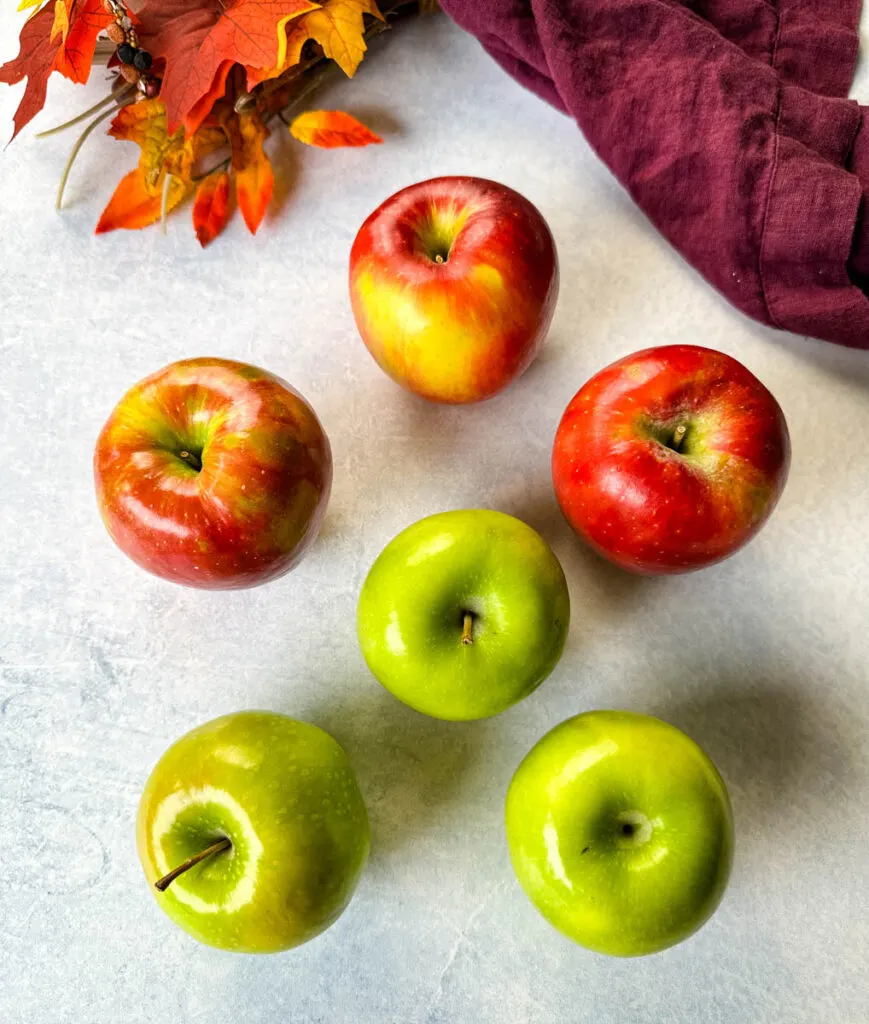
pixel 463 614
pixel 252 832
pixel 213 474
pixel 670 459
pixel 453 283
pixel 620 832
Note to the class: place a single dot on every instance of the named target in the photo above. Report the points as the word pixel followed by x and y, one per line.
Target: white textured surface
pixel 763 659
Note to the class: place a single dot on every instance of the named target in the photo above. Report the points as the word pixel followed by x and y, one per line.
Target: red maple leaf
pixel 200 40
pixel 38 55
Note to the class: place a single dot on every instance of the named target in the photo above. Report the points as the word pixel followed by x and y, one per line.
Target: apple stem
pixel 438 258
pixel 678 437
pixel 190 459
pixel 467 626
pixel 162 884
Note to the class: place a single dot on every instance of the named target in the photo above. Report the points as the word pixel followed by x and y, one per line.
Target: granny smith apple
pixel 463 614
pixel 252 832
pixel 620 832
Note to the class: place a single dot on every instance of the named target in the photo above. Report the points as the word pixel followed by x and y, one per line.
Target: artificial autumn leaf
pixel 134 205
pixel 330 129
pixel 137 201
pixel 25 5
pixel 211 207
pixel 200 40
pixel 39 54
pixel 254 177
pixel 338 26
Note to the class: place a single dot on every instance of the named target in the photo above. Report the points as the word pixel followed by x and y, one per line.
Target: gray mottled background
pixel 763 659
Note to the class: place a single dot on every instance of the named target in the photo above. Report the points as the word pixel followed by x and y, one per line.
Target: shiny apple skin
pixel 621 832
pixel 651 509
pixel 255 507
pixel 285 794
pixel 462 330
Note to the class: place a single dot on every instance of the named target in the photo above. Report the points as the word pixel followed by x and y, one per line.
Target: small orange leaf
pixel 330 129
pixel 211 208
pixel 254 178
pixel 134 205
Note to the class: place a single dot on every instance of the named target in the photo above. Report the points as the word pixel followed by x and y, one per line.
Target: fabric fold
pixel 727 122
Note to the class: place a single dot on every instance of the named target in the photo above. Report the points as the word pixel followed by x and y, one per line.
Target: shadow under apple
pixel 410 767
pixel 780 747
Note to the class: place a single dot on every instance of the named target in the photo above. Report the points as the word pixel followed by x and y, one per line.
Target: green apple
pixel 463 614
pixel 252 832
pixel 620 832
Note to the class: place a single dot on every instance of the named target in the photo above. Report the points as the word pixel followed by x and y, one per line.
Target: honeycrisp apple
pixel 252 832
pixel 213 474
pixel 453 284
pixel 670 459
pixel 463 614
pixel 620 832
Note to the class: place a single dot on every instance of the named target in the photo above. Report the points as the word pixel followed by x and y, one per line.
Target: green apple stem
pixel 162 884
pixel 678 437
pixel 467 627
pixel 191 460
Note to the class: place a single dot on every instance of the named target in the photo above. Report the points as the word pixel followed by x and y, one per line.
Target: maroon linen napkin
pixel 727 122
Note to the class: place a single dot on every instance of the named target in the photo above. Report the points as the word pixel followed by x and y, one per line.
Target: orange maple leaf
pixel 330 129
pixel 254 178
pixel 200 40
pixel 138 199
pixel 212 207
pixel 43 49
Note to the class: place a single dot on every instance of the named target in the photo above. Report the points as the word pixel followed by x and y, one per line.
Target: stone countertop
pixel 762 659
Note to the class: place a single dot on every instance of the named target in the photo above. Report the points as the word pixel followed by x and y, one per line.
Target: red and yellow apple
pixel 453 284
pixel 670 459
pixel 213 474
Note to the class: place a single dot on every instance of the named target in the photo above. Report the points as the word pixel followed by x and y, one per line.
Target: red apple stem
pixel 467 627
pixel 162 884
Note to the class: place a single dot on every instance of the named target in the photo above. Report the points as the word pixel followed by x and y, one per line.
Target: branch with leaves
pixel 199 95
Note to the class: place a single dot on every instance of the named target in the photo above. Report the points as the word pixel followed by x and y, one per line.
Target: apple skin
pixel 642 504
pixel 285 794
pixel 567 808
pixel 411 614
pixel 459 330
pixel 255 506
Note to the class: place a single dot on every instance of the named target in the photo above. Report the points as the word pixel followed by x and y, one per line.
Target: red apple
pixel 670 459
pixel 453 283
pixel 213 474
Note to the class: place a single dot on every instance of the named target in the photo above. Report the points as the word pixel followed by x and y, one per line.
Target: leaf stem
pixel 77 148
pixel 164 201
pixel 113 98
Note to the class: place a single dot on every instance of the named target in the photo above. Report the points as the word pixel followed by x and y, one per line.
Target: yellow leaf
pixel 25 5
pixel 338 27
pixel 60 25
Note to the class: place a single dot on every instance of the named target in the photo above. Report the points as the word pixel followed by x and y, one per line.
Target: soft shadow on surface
pixel 381 121
pixel 778 746
pixel 287 167
pixel 409 766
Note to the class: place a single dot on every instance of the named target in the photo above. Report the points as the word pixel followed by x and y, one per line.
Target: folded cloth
pixel 728 123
